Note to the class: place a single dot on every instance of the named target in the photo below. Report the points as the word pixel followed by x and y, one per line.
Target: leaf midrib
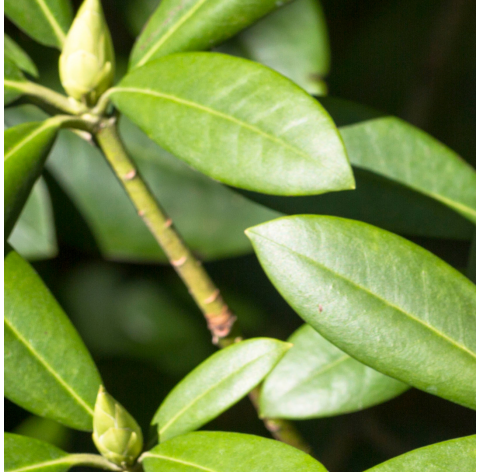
pixel 375 295
pixel 206 392
pixel 26 140
pixel 41 465
pixel 51 19
pixel 42 361
pixel 217 113
pixel 179 461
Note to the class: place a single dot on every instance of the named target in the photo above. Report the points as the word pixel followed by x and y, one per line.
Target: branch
pixel 91 460
pixel 220 320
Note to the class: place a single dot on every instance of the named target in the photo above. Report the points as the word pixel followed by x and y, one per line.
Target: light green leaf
pixel 33 235
pixel 12 81
pixel 316 379
pixel 386 301
pixel 46 430
pixel 217 384
pixel 238 122
pixel 19 57
pixel 195 25
pixel 210 217
pixel 448 456
pixel 22 454
pixel 26 148
pixel 46 21
pixel 227 452
pixel 293 41
pixel 403 178
pixel 48 370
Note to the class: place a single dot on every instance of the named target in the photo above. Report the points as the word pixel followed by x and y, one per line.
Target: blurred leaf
pixel 316 379
pixel 22 453
pixel 26 148
pixel 12 81
pixel 227 452
pixel 46 430
pixel 210 217
pixel 293 41
pixel 18 56
pixel 386 301
pixel 406 181
pixel 217 384
pixel 48 370
pixel 195 25
pixel 46 21
pixel 33 235
pixel 455 455
pixel 284 143
pixel 471 270
pixel 134 317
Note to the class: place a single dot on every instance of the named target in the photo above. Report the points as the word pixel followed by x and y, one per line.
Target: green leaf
pixel 16 54
pixel 258 131
pixel 386 301
pixel 26 148
pixel 22 453
pixel 33 235
pixel 46 21
pixel 46 430
pixel 48 370
pixel 210 217
pixel 217 384
pixel 316 379
pixel 227 452
pixel 293 41
pixel 13 79
pixel 454 455
pixel 195 25
pixel 395 187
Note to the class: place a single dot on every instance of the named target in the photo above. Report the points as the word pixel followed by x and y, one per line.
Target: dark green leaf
pixel 16 54
pixel 22 454
pixel 48 370
pixel 471 269
pixel 448 456
pixel 386 301
pixel 34 233
pixel 46 21
pixel 217 384
pixel 316 379
pixel 12 81
pixel 195 25
pixel 46 430
pixel 227 452
pixel 238 122
pixel 293 41
pixel 26 148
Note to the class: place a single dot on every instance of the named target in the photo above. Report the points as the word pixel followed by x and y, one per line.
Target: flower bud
pixel 87 59
pixel 117 435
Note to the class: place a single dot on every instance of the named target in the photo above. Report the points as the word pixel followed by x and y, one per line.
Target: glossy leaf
pixel 217 384
pixel 12 81
pixel 456 454
pixel 55 380
pixel 195 25
pixel 18 56
pixel 46 21
pixel 258 131
pixel 227 452
pixel 386 301
pixel 316 379
pixel 22 453
pixel 393 190
pixel 293 41
pixel 33 235
pixel 26 148
pixel 210 217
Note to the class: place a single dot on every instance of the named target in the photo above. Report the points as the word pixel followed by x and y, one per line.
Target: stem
pixel 49 97
pixel 91 460
pixel 220 320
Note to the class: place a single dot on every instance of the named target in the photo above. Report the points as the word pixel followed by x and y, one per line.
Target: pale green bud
pixel 117 435
pixel 87 61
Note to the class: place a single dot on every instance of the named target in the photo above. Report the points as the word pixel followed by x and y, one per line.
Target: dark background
pixel 410 58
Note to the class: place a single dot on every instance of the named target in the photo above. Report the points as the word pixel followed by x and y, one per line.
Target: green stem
pixel 49 97
pixel 220 320
pixel 91 460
